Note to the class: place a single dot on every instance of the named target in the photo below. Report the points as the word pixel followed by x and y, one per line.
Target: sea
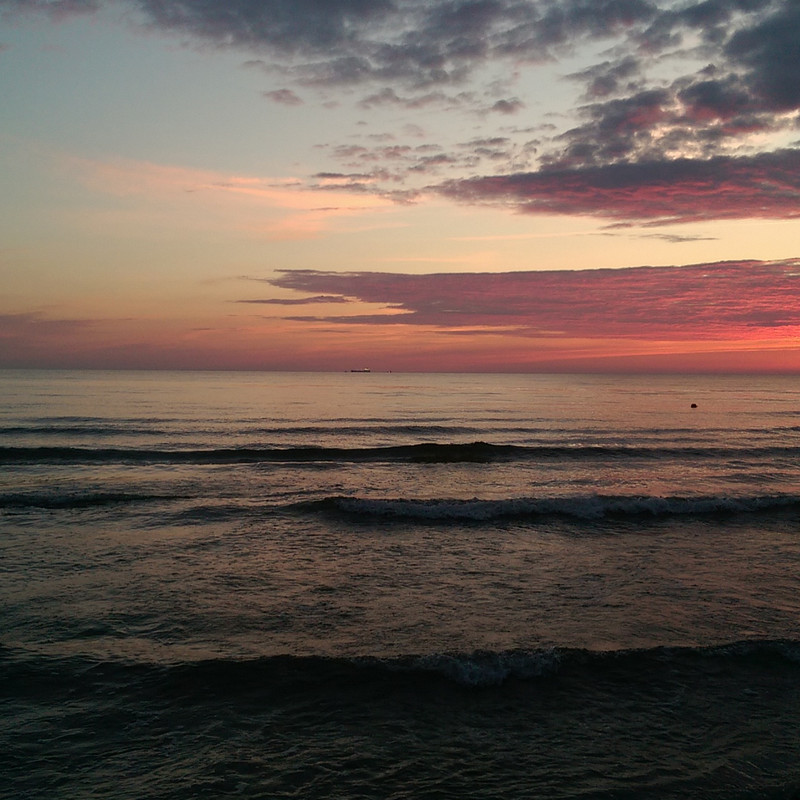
pixel 380 586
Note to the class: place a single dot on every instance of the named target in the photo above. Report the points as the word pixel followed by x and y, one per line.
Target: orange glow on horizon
pixel 276 344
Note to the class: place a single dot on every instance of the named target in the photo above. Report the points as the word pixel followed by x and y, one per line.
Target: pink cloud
pixel 718 301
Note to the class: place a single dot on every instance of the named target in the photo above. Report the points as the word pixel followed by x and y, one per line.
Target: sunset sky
pixel 449 185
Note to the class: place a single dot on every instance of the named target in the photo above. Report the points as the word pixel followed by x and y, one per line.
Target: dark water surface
pixel 399 586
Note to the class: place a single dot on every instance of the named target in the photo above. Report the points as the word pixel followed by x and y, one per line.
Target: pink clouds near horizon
pixel 718 317
pixel 714 302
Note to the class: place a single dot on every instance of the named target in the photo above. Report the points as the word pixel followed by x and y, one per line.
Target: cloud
pixel 285 97
pixel 303 301
pixel 642 146
pixel 749 85
pixel 673 238
pixel 717 301
pixel 619 129
pixel 632 131
pixel 286 26
pixel 376 165
pixel 509 106
pixel 770 52
pixel 58 9
pixel 610 77
pixel 417 43
pixel 13 326
pixel 389 97
pixel 429 42
pixel 684 190
pixel 700 116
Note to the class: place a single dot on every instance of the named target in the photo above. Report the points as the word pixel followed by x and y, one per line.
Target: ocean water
pixel 265 585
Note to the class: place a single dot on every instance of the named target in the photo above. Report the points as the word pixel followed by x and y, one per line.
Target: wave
pixel 476 452
pixel 100 428
pixel 658 723
pixel 18 501
pixel 381 427
pixel 478 669
pixel 489 668
pixel 435 511
pixel 103 429
pixel 584 507
pixel 438 511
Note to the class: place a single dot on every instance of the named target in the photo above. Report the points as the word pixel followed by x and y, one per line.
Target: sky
pixel 401 185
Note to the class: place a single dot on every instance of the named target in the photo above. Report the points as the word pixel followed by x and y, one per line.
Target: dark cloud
pixel 610 77
pixel 683 190
pixel 423 43
pixel 426 42
pixel 533 30
pixel 511 106
pixel 285 26
pixel 419 43
pixel 715 99
pixel 619 129
pixel 747 299
pixel 752 84
pixel 770 52
pixel 710 18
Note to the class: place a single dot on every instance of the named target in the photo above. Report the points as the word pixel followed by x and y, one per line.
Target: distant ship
pixel 361 370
